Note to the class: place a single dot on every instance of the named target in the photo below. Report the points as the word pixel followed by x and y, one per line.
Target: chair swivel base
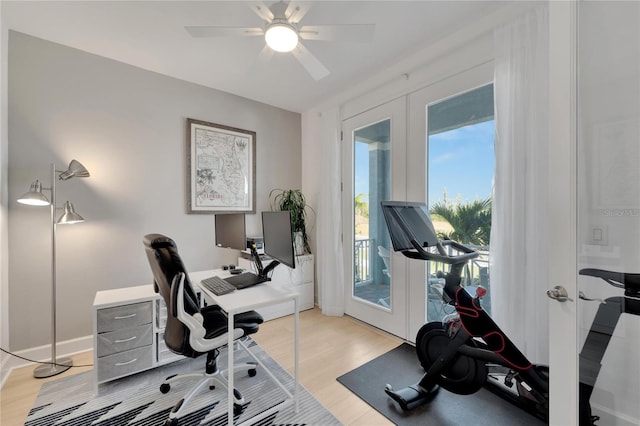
pixel 210 380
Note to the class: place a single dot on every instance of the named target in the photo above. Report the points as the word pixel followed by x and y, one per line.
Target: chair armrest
pixel 195 322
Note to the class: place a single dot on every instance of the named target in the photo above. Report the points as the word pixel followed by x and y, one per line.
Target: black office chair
pixel 191 330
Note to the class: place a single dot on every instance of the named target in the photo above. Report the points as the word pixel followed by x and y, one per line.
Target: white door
pixel 595 202
pixel 374 155
pixel 608 206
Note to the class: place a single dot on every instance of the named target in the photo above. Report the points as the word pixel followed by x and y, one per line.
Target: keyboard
pixel 217 285
pixel 245 279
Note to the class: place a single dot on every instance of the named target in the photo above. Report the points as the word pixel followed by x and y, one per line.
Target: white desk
pixel 246 300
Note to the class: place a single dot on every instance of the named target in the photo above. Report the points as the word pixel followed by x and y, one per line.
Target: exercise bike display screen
pixel 408 217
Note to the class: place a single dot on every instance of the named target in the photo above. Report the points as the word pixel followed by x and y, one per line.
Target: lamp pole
pixel 56 366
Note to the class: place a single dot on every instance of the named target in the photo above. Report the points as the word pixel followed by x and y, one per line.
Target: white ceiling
pixel 151 35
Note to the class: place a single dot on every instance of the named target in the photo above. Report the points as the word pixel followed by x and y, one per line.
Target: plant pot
pixel 298 243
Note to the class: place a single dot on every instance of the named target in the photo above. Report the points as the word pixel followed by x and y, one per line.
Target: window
pixel 460 174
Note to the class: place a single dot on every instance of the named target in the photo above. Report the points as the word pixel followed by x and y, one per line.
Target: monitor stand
pixel 263 271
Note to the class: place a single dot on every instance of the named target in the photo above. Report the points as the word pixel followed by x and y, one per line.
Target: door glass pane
pixel 460 177
pixel 372 267
pixel 608 207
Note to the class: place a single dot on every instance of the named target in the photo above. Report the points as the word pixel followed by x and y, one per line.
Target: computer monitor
pixel 230 232
pixel 278 237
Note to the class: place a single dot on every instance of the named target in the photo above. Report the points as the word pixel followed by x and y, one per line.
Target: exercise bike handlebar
pixel 629 282
pixel 442 255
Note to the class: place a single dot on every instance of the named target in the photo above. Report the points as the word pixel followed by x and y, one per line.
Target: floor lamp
pixel 35 198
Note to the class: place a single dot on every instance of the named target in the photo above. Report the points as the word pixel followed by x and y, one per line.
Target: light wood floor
pixel 329 347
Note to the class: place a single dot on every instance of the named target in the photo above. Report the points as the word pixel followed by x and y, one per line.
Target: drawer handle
pixel 125 340
pixel 125 316
pixel 120 364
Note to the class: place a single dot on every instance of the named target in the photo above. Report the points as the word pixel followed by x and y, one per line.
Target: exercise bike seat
pixel 629 282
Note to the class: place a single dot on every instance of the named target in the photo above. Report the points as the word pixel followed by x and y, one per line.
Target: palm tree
pixel 361 205
pixel 471 221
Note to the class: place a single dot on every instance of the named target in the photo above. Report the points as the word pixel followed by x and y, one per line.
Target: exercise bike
pixel 467 350
pixel 602 327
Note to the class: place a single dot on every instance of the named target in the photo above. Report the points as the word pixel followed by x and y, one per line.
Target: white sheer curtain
pixel 519 276
pixel 330 258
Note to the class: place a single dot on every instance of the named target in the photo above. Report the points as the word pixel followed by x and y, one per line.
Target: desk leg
pixel 230 369
pixel 296 352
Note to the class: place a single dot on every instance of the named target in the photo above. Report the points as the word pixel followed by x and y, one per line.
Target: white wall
pixel 128 127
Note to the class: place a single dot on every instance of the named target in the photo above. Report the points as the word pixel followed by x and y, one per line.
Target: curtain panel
pixel 330 254
pixel 519 274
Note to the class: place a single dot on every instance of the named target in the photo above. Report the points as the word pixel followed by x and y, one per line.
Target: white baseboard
pixel 43 353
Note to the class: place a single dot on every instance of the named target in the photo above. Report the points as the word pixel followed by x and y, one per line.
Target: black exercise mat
pixel 400 367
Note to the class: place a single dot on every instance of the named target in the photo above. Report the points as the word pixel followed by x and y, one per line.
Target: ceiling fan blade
pixel 262 10
pixel 350 32
pixel 265 54
pixel 224 31
pixel 313 66
pixel 296 11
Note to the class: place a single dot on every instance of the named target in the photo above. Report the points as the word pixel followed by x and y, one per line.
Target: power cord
pixel 43 362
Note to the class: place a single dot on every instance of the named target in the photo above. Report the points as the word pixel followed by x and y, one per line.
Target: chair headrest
pixel 156 241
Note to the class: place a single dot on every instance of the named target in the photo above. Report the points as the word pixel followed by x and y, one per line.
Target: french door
pixel 594 200
pixel 374 156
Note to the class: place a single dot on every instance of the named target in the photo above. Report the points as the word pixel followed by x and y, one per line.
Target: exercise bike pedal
pixel 411 396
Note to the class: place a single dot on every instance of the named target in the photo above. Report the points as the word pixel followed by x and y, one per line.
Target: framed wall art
pixel 220 168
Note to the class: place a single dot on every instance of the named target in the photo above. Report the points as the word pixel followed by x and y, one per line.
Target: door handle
pixel 559 293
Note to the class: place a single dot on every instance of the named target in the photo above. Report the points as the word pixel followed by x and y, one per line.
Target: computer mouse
pixel 236 271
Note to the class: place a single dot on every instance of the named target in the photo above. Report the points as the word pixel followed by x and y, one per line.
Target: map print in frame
pixel 221 168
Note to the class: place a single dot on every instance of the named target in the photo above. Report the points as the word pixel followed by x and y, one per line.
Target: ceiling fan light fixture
pixel 281 37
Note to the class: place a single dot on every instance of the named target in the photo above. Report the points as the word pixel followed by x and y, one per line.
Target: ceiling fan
pixel 282 33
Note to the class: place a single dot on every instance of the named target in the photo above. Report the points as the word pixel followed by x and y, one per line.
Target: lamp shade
pixel 281 37
pixel 34 197
pixel 75 169
pixel 69 216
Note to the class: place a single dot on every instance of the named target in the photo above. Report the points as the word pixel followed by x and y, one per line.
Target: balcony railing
pixel 362 260
pixel 475 273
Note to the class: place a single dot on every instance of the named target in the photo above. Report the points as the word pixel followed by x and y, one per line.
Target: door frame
pixel 562 260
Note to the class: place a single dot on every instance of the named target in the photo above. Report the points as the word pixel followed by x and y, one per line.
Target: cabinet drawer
pixel 119 317
pixel 125 363
pixel 124 339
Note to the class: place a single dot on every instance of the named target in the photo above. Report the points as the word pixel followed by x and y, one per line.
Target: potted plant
pixel 293 200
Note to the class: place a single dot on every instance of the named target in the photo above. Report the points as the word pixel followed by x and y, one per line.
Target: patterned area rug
pixel 137 400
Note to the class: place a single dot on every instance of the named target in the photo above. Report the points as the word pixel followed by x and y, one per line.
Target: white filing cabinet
pixel 128 330
pixel 299 279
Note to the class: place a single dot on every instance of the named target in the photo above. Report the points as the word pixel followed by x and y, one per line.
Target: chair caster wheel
pixel 252 372
pixel 237 409
pixel 171 422
pixel 164 388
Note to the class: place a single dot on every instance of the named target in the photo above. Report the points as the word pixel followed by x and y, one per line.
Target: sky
pixel 460 161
